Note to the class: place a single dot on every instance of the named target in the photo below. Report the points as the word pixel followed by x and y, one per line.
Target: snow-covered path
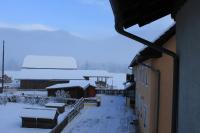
pixel 113 116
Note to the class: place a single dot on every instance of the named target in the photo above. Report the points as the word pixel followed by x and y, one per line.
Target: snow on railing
pixel 95 100
pixel 75 110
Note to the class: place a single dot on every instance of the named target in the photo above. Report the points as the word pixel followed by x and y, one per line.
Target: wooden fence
pixel 96 101
pixel 75 110
pixel 110 92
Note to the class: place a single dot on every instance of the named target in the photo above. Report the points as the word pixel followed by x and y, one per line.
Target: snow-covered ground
pixel 113 116
pixel 10 120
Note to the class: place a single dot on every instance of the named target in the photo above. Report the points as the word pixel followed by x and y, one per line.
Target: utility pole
pixel 2 69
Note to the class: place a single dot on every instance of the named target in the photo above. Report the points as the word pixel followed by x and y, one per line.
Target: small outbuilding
pixel 75 89
pixel 39 118
pixel 90 91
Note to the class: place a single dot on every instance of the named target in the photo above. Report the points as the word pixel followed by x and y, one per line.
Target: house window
pixel 139 74
pixel 135 73
pixel 140 108
pixel 142 74
pixel 146 77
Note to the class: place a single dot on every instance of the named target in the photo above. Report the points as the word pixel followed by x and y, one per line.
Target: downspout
pixel 158 93
pixel 174 125
pixel 2 82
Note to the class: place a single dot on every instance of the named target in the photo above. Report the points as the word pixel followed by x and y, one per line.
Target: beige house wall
pixel 165 65
pixel 146 94
pixel 145 99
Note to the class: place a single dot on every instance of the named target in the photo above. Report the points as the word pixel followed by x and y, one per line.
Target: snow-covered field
pixel 113 116
pixel 10 120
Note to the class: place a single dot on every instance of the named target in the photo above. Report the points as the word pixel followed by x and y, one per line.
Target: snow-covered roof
pixel 48 74
pixel 81 83
pixel 59 74
pixel 49 62
pixel 39 113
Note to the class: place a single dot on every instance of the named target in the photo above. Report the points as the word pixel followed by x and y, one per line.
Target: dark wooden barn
pixel 39 72
pixel 38 84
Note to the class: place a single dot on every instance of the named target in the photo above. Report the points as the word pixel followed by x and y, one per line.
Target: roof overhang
pixel 131 12
pixel 149 53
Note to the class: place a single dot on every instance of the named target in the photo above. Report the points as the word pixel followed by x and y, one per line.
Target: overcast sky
pixel 84 18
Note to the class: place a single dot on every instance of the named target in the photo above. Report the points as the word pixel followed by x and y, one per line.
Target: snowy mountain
pixel 113 53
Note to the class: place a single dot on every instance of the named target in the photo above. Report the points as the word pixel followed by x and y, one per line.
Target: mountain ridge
pixel 116 50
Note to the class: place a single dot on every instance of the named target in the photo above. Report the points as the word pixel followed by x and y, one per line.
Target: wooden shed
pixel 73 91
pixel 39 118
pixel 90 91
pixel 76 89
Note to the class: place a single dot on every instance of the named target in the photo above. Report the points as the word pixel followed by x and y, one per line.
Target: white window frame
pixel 146 77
